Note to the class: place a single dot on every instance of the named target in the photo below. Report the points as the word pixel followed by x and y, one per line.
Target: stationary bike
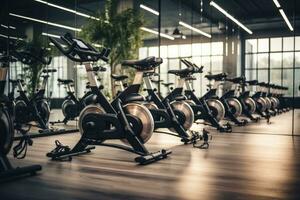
pixel 132 123
pixel 36 108
pixel 7 171
pixel 232 104
pixel 173 111
pixel 248 103
pixel 206 108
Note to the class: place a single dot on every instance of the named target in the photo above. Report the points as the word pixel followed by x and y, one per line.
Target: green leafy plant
pixel 117 30
pixel 33 72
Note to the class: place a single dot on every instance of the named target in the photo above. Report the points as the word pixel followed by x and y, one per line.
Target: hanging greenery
pixel 118 30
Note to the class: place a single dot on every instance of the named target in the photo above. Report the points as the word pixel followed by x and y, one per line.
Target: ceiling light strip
pixel 277 3
pixel 286 19
pixel 46 22
pixel 7 27
pixel 67 9
pixel 212 3
pixel 11 37
pixel 194 29
pixel 156 33
pixel 149 9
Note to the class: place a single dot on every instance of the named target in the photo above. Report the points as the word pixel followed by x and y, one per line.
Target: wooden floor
pixel 237 166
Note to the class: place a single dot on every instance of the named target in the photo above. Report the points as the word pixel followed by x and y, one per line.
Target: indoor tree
pixel 118 30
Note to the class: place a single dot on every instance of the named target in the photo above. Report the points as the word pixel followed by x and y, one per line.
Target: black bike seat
pixel 216 77
pixel 144 64
pixel 263 84
pixel 49 70
pixel 236 79
pixel 119 77
pixel 65 81
pixel 252 82
pixel 168 84
pixel 180 72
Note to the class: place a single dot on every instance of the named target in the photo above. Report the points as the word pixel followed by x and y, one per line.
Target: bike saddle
pixel 262 84
pixel 216 77
pixel 65 81
pixel 191 78
pixel 144 64
pixel 236 79
pixel 252 82
pixel 180 72
pixel 168 84
pixel 119 77
pixel 46 71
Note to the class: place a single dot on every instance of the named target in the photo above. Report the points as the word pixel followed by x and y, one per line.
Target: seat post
pixel 91 75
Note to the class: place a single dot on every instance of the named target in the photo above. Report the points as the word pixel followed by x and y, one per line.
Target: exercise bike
pixel 206 108
pixel 233 106
pixel 36 108
pixel 132 123
pixel 169 113
pixel 248 103
pixel 7 171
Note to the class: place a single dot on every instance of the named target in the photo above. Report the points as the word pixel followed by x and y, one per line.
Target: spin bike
pixel 204 108
pixel 172 112
pixel 248 103
pixel 7 171
pixel 36 108
pixel 123 119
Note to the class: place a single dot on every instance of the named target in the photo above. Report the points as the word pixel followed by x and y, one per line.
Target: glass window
pixel 174 64
pixel 297 45
pixel 164 67
pixel 251 61
pixel 288 80
pixel 276 44
pixel 163 52
pixel 287 60
pixel 196 49
pixel 297 83
pixel 262 75
pixel 217 48
pixel 251 46
pixel 206 49
pixel 263 45
pixel 143 52
pixel 153 51
pixel 275 76
pixel 197 60
pixel 173 51
pixel 217 64
pixel 288 43
pixel 275 60
pixel 297 59
pixel 185 50
pixel 251 75
pixel 206 63
pixel 262 60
